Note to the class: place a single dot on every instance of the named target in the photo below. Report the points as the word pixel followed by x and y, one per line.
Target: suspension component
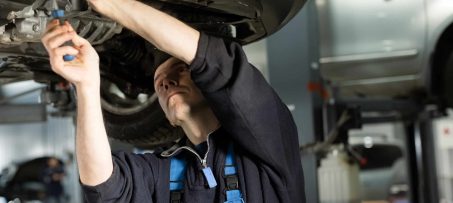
pixel 28 24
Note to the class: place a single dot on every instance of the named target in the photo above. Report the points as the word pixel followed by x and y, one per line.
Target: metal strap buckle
pixel 176 196
pixel 232 182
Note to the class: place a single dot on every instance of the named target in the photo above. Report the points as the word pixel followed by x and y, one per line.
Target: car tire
pixel 447 92
pixel 143 125
pixel 131 110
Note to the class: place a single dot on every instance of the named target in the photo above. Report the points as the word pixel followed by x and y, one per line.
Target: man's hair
pixel 159 58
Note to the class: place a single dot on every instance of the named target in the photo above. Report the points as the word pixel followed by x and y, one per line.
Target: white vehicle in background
pixel 387 48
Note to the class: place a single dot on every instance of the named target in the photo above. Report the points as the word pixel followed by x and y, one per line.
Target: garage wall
pixel 20 142
pixel 257 55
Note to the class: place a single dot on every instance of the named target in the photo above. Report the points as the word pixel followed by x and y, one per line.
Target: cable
pixel 332 136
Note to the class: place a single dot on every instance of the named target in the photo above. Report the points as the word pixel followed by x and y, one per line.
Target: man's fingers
pixel 67 50
pixel 52 24
pixel 59 66
pixel 54 31
pixel 56 59
pixel 69 26
pixel 79 41
pixel 59 40
pixel 58 53
pixel 52 34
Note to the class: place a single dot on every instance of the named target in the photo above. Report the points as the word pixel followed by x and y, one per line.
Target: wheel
pixel 137 120
pixel 447 89
pixel 130 107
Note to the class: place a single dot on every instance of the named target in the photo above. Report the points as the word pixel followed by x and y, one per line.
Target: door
pixel 364 40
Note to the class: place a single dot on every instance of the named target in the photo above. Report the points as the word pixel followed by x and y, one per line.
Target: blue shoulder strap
pixel 177 175
pixel 233 194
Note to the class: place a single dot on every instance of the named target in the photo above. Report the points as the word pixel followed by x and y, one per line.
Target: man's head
pixel 53 162
pixel 178 95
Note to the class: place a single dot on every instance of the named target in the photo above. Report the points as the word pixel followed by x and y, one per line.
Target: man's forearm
pixel 92 146
pixel 164 31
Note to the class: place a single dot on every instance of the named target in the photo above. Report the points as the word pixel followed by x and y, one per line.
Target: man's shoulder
pixel 139 157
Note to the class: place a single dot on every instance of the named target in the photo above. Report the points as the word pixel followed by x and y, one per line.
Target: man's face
pixel 178 95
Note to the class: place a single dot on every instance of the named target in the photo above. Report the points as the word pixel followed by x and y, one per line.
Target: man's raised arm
pixel 162 30
pixel 94 158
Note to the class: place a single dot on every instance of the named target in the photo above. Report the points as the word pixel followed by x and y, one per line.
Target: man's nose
pixel 167 83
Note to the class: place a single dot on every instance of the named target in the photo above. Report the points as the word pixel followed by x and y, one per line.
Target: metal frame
pixel 22 113
pixel 420 148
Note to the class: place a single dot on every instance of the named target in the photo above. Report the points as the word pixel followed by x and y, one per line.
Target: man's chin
pixel 178 116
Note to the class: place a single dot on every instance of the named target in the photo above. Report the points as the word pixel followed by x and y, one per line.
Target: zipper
pixel 207 172
pixel 203 160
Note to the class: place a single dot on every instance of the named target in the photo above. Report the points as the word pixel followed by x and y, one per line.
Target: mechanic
pixel 219 100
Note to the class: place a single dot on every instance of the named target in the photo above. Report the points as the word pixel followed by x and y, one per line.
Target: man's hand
pixel 84 70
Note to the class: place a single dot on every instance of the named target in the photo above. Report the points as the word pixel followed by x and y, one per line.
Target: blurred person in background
pixel 52 177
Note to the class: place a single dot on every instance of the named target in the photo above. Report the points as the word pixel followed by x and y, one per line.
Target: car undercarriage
pixel 130 108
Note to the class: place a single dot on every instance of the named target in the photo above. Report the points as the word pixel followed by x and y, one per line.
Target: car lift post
pixel 420 140
pixel 421 156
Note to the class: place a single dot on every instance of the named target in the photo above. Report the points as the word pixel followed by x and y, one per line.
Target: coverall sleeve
pixel 131 172
pixel 246 105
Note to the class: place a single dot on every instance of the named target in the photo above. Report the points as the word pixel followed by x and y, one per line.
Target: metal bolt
pixel 36 28
pixel 11 15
